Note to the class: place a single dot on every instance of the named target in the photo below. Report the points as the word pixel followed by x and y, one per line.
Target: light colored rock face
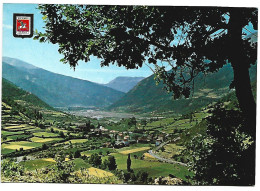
pixel 168 181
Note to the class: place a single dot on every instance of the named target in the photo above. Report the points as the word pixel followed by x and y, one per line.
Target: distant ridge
pixel 124 84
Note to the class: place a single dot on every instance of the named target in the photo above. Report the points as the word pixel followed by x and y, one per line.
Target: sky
pixel 46 56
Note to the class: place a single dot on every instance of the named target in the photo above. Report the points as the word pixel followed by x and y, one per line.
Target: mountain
pixel 55 89
pixel 124 84
pixel 11 92
pixel 146 96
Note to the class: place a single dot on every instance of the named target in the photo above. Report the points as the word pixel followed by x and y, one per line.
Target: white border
pixel 97 187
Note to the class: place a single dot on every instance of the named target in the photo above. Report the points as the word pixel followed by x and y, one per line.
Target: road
pixel 164 159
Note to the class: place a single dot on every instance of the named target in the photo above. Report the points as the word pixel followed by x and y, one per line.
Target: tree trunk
pixel 241 67
pixel 244 93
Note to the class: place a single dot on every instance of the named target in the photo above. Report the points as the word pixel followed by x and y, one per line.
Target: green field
pixel 45 134
pixel 12 146
pixel 74 141
pixel 154 169
pixel 37 164
pixel 7 133
pixel 44 140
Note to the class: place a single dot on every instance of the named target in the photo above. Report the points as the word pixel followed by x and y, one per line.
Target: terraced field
pixel 45 134
pixel 12 146
pixel 74 141
pixel 21 136
pixel 44 140
pixel 168 125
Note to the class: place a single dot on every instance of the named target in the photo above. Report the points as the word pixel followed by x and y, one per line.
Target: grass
pixel 37 163
pixel 171 150
pixel 74 141
pixel 57 129
pixel 80 163
pixel 15 126
pixel 153 168
pixel 52 160
pixel 99 173
pixel 12 146
pixel 125 152
pixel 45 134
pixel 150 165
pixel 103 150
pixel 44 140
pixel 15 137
pixel 147 156
pixel 7 133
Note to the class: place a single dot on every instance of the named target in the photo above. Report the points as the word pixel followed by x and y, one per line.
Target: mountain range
pixel 148 97
pixel 64 91
pixel 124 84
pixel 55 89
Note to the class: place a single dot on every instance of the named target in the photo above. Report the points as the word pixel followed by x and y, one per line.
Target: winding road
pixel 164 159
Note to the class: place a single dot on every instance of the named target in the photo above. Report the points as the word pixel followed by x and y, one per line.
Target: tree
pixel 128 163
pixel 63 169
pixel 223 150
pixel 77 154
pixel 190 40
pixel 95 159
pixel 4 137
pixel 143 123
pixel 112 163
pixel 44 146
pixel 132 121
pixel 144 177
pixel 71 156
pixel 61 134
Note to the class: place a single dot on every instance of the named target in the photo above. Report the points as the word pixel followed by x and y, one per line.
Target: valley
pixel 92 144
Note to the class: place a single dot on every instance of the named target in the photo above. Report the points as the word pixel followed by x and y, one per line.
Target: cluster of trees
pixel 110 163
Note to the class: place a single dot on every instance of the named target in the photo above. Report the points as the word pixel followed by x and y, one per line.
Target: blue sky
pixel 46 56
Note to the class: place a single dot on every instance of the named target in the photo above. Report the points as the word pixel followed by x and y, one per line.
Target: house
pixel 126 140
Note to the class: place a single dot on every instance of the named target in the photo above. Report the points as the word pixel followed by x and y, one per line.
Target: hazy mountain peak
pixel 18 63
pixel 124 83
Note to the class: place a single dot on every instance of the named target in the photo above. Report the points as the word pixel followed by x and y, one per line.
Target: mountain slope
pixel 55 89
pixel 147 97
pixel 12 92
pixel 124 84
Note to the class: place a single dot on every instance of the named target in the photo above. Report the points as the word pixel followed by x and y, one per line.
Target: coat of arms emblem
pixel 23 25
